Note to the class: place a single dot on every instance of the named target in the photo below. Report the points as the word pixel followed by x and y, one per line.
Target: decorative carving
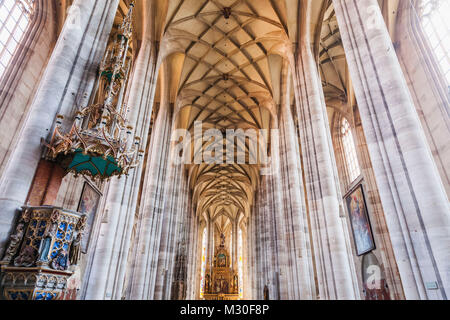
pixel 81 225
pixel 61 261
pixel 47 241
pixel 100 132
pixel 26 258
pixel 14 242
pixel 26 215
pixel 207 283
pixel 235 283
pixel 227 12
pixel 222 282
pixel 55 216
pixel 266 293
pixel 222 240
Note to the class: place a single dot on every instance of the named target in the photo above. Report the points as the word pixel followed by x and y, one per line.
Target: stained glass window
pixel 14 20
pixel 351 157
pixel 231 244
pixel 436 26
pixel 202 278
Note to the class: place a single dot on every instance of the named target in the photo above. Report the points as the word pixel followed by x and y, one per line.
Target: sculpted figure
pixel 46 242
pixel 225 287
pixel 55 216
pixel 222 240
pixel 26 258
pixel 236 283
pixel 81 223
pixel 207 283
pixel 75 250
pixel 266 293
pixel 14 242
pixel 26 216
pixel 61 261
pixel 217 286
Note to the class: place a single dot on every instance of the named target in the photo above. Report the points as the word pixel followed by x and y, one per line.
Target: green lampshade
pixel 94 165
pixel 108 74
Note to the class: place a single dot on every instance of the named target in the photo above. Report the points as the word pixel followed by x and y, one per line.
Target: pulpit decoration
pixel 42 254
pixel 99 143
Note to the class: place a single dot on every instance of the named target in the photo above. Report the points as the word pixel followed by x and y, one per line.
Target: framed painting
pixel 359 219
pixel 88 205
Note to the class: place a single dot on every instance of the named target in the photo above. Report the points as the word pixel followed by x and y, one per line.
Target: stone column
pixel 175 210
pixel 251 241
pixel 152 208
pixel 46 183
pixel 107 275
pixel 296 222
pixel 194 255
pixel 331 253
pixel 412 194
pixel 86 30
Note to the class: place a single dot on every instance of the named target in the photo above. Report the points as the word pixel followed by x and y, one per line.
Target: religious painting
pixel 362 232
pixel 225 286
pixel 222 260
pixel 221 285
pixel 88 205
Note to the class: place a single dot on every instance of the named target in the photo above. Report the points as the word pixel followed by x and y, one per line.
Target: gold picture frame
pixel 360 222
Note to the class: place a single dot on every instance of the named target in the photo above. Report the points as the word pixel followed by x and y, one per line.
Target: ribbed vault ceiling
pixel 229 56
pixel 226 83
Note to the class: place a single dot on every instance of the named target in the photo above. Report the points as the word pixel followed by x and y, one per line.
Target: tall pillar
pixel 86 31
pixel 152 208
pixel 194 240
pixel 46 183
pixel 281 280
pixel 412 194
pixel 196 255
pixel 175 211
pixel 332 257
pixel 296 222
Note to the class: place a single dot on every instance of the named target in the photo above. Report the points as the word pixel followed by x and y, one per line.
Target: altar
pixel 221 282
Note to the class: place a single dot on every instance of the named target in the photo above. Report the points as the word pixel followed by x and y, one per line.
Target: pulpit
pixel 42 253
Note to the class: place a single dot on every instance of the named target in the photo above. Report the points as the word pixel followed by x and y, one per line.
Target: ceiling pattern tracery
pixel 229 78
pixel 226 82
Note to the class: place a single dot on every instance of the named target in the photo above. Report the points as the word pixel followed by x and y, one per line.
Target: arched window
pixel 14 20
pixel 436 26
pixel 350 155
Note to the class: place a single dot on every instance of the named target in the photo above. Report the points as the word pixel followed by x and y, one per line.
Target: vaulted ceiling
pixel 229 80
pixel 224 59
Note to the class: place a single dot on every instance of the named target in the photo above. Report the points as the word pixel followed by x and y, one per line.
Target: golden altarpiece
pixel 221 281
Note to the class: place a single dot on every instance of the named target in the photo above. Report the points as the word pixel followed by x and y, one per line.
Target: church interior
pixel 224 150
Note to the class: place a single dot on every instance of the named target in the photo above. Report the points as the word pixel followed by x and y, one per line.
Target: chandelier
pixel 99 143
